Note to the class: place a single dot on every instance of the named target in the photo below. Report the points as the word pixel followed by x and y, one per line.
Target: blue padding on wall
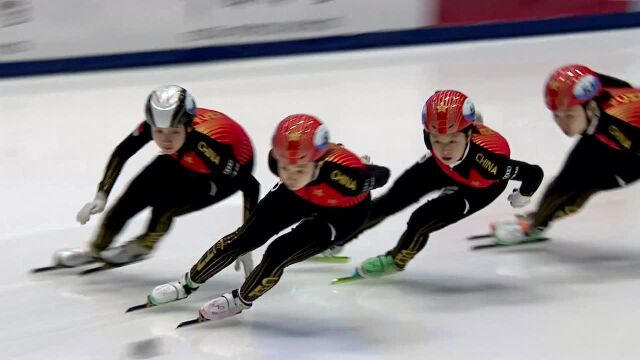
pixel 334 43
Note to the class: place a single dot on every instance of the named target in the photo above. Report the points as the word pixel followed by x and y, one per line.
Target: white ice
pixel 572 298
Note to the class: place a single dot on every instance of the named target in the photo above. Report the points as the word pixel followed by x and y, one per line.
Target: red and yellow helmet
pixel 571 85
pixel 447 112
pixel 300 138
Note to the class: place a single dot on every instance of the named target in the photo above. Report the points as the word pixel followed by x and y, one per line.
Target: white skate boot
pixel 332 251
pixel 515 231
pixel 73 257
pixel 173 291
pixel 123 254
pixel 224 306
pixel 331 255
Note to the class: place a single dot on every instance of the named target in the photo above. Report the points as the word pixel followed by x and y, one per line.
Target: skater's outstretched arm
pixel 126 149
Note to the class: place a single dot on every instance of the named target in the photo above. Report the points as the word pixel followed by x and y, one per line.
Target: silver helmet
pixel 170 106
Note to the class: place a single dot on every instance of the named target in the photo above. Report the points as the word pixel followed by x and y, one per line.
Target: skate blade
pixel 140 307
pixel 195 321
pixel 346 279
pixel 108 266
pixel 99 268
pixel 493 246
pixel 57 267
pixel 47 268
pixel 480 236
pixel 330 259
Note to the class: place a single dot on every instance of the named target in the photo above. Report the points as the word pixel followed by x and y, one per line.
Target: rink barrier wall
pixel 325 44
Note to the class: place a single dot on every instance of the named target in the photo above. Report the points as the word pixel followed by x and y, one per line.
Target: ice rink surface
pixel 575 297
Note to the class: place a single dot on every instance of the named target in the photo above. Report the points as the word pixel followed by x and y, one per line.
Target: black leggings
pixel 170 190
pixel 318 228
pixel 591 167
pixel 455 203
